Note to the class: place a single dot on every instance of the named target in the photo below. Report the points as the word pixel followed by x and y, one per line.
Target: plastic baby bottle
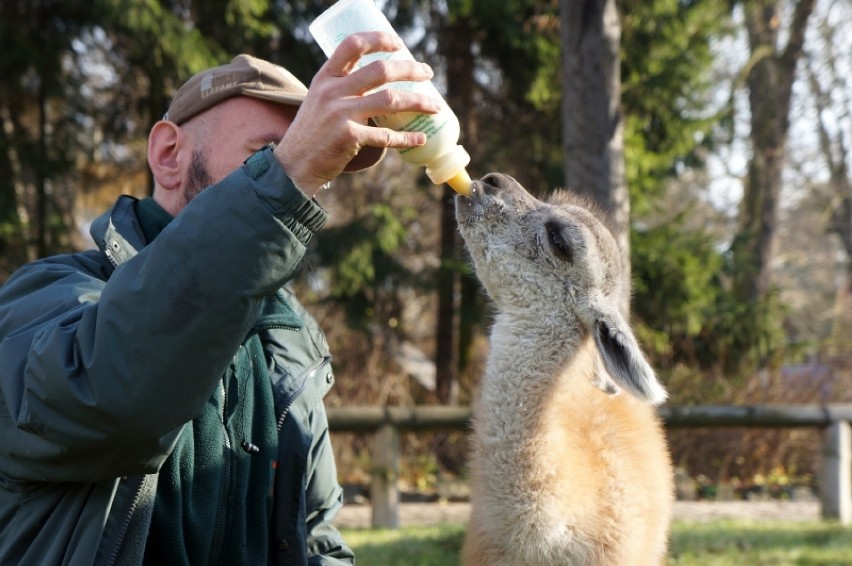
pixel 444 159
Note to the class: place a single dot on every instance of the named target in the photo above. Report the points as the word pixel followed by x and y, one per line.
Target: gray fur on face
pixel 553 265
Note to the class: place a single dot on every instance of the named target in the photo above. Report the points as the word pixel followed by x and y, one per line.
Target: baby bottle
pixel 444 159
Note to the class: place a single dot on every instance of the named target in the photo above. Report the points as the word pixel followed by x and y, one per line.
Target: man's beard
pixel 198 178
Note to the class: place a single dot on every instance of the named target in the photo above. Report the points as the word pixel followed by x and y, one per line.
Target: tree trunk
pixel 834 151
pixel 592 121
pixel 445 348
pixel 40 170
pixel 12 250
pixel 770 84
pixel 455 44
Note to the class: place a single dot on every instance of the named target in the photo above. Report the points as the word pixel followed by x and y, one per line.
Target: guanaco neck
pixel 523 373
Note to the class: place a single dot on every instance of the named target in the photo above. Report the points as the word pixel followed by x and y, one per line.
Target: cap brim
pixel 293 99
pixel 366 158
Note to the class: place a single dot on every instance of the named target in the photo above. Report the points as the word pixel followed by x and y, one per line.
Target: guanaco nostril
pixel 495 183
pixel 495 180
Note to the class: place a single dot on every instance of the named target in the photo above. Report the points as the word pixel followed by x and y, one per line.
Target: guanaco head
pixel 556 264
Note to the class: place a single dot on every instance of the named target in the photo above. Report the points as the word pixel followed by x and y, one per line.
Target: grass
pixel 409 546
pixel 693 543
pixel 760 543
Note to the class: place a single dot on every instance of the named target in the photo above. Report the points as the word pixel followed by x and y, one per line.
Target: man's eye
pixel 558 244
pixel 270 144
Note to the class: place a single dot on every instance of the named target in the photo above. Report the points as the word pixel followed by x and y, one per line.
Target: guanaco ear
pixel 623 359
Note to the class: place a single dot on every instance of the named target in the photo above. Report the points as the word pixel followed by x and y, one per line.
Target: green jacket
pixel 107 353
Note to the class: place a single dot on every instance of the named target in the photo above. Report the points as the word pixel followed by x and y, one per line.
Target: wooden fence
pixel 386 423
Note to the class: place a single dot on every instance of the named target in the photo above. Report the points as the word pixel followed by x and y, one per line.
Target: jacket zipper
pixel 272 325
pixel 125 524
pixel 302 381
pixel 221 523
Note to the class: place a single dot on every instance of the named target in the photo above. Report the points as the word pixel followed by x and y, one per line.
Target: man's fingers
pixel 385 137
pixel 344 61
pixel 332 123
pixel 390 101
pixel 385 71
pixel 346 56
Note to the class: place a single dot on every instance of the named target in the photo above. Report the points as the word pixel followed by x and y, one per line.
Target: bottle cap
pixel 448 166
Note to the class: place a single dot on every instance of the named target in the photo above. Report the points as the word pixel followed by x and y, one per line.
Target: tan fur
pixel 562 473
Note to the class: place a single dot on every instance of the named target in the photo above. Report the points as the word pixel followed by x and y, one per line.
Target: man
pixel 161 396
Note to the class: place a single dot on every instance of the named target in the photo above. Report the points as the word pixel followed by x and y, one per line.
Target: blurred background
pixel 716 133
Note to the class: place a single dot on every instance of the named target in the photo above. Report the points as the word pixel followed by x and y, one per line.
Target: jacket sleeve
pixel 97 377
pixel 324 500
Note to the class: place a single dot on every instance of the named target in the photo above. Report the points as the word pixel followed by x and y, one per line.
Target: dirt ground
pixel 412 514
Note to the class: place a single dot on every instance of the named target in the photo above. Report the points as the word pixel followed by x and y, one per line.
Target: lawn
pixel 713 543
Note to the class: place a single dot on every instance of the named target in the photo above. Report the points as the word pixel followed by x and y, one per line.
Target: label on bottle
pixel 421 123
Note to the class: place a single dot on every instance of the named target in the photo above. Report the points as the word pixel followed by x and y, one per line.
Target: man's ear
pixel 164 145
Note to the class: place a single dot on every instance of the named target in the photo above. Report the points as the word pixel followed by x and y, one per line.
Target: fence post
pixel 384 492
pixel 836 485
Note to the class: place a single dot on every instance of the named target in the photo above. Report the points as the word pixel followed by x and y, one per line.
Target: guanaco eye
pixel 557 241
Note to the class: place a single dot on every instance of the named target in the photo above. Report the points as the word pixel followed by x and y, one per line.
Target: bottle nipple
pixel 460 182
pixel 450 168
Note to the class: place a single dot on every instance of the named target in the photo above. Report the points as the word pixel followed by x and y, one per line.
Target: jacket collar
pixel 117 232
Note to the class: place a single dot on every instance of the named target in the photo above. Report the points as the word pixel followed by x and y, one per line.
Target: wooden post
pixel 384 492
pixel 836 485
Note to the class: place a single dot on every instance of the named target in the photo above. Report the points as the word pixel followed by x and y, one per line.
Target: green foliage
pixel 518 92
pixel 364 251
pixel 37 137
pixel 523 39
pixel 667 55
pixel 544 94
pixel 687 313
pixel 248 14
pixel 157 38
pixel 666 59
pixel 362 259
pixel 170 41
pixel 676 289
pixel 742 337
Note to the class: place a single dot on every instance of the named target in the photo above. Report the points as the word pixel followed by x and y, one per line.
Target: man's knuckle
pixel 390 99
pixel 354 42
pixel 382 70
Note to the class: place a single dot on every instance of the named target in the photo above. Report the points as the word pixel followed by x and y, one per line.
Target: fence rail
pixel 386 423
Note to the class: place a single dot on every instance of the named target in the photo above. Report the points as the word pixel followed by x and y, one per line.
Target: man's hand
pixel 331 125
